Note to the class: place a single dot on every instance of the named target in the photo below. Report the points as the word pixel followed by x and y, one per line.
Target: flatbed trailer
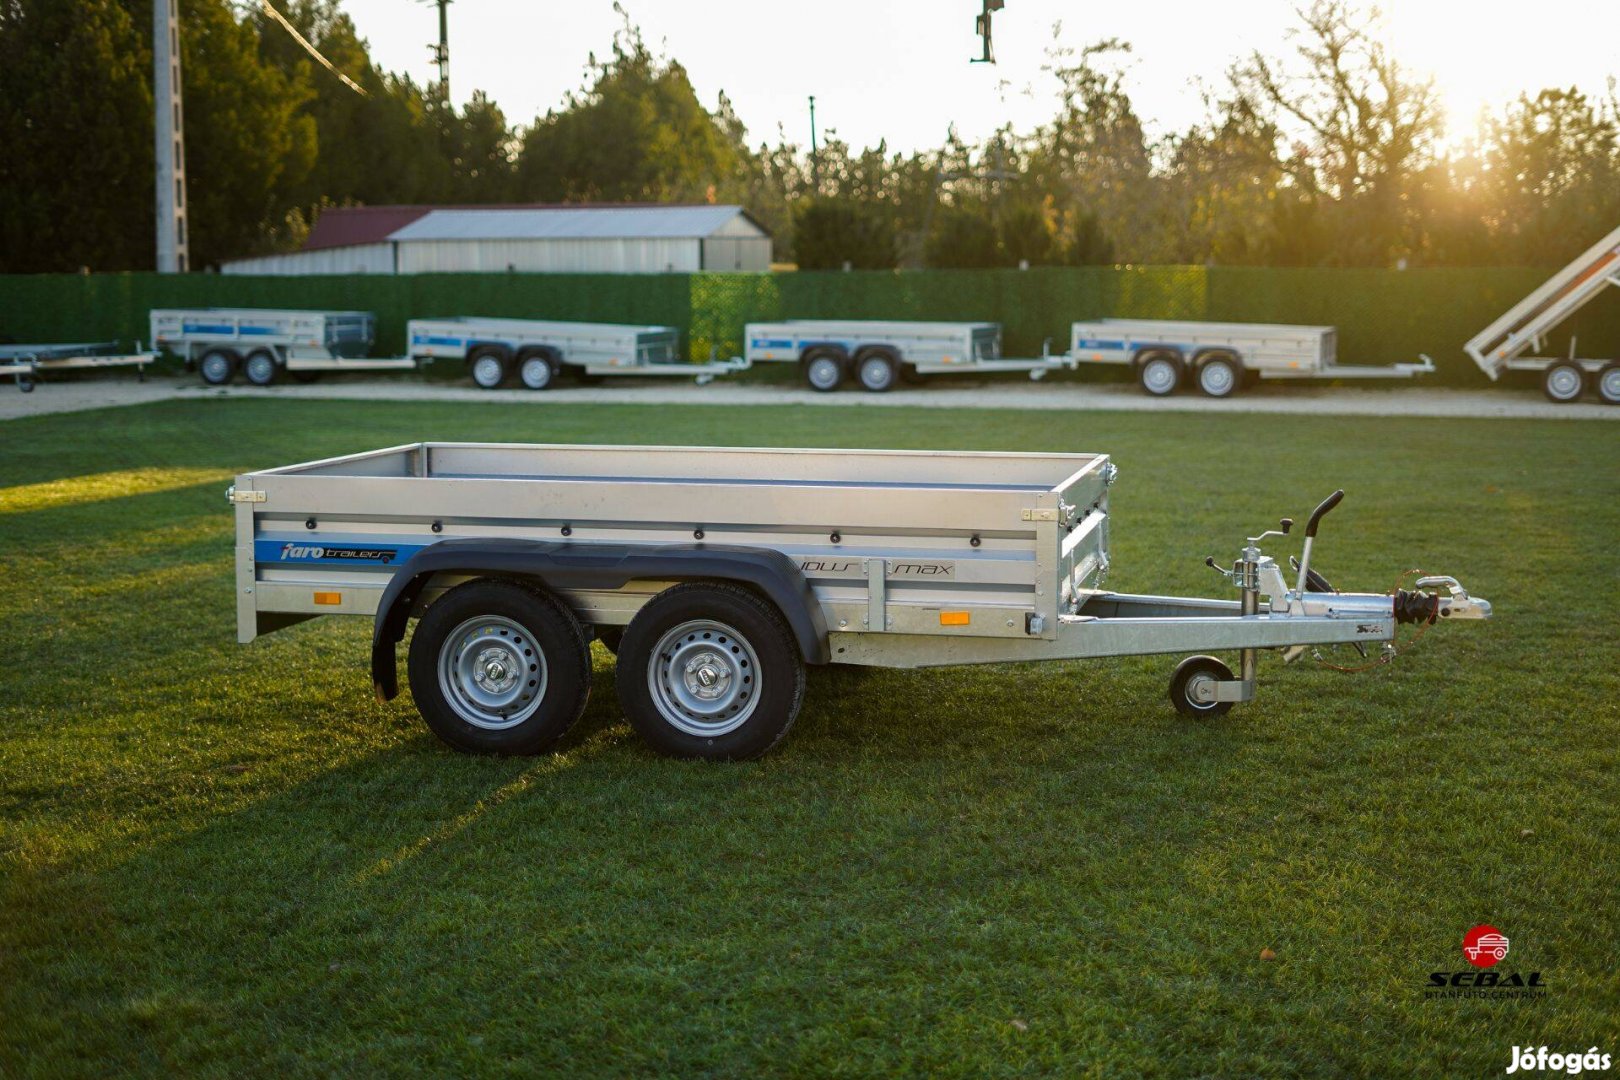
pixel 265 343
pixel 717 575
pixel 1220 358
pixel 536 351
pixel 1506 344
pixel 879 353
pixel 27 363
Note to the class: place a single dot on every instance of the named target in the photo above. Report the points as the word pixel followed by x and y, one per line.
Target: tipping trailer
pixel 718 575
pixel 1505 344
pixel 26 363
pixel 1220 357
pixel 877 353
pixel 263 343
pixel 537 351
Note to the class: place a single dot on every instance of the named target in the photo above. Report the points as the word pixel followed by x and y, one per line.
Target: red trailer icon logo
pixel 1485 946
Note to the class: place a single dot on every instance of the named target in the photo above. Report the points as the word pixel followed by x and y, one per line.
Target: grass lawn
pixel 221 859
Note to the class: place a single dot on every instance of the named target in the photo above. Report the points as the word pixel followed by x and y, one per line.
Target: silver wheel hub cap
pixel 1217 378
pixel 1159 376
pixel 487 371
pixel 1201 690
pixel 215 367
pixel 823 372
pixel 536 373
pixel 704 678
pixel 492 672
pixel 875 373
pixel 1609 385
pixel 1564 383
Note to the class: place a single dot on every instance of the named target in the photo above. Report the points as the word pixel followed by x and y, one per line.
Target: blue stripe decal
pixel 1086 343
pixel 761 343
pixel 315 553
pixel 221 328
pixel 429 339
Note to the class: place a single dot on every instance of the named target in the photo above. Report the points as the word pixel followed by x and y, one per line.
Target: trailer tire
pixel 1190 676
pixel 710 670
pixel 824 370
pixel 261 367
pixel 1159 373
pixel 876 371
pixel 1220 375
pixel 1608 384
pixel 217 366
pixel 537 369
pixel 488 366
pixel 468 647
pixel 25 384
pixel 1563 382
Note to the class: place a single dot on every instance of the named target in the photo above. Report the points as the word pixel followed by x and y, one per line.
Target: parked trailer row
pixel 719 575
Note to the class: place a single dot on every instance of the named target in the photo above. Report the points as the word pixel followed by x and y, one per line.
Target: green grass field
pixel 229 860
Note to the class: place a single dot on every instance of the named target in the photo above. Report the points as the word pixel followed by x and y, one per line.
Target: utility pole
pixel 815 157
pixel 169 134
pixel 441 51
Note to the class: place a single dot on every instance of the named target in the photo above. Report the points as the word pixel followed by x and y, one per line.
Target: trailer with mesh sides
pixel 1516 340
pixel 264 344
pixel 718 576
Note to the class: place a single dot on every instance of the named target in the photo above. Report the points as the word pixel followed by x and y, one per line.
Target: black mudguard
pixel 566 566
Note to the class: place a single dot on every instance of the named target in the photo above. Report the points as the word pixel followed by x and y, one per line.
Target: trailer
pixel 537 351
pixel 877 354
pixel 264 343
pixel 1505 344
pixel 27 363
pixel 1220 357
pixel 719 575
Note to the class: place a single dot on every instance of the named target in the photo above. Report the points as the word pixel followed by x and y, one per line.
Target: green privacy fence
pixel 1383 316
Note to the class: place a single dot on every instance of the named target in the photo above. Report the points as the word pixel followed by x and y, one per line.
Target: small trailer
pixel 1220 357
pixel 263 343
pixel 536 351
pixel 1505 344
pixel 26 363
pixel 877 354
pixel 718 575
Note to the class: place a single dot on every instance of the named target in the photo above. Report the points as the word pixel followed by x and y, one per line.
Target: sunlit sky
pixel 898 69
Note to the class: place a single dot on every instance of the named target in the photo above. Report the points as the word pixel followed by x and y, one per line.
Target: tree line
pixel 1330 155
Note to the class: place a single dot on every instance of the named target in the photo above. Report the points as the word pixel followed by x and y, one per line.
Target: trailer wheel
pixel 1220 376
pixel 217 366
pixel 824 371
pixel 487 366
pixel 260 368
pixel 536 369
pixel 876 372
pixel 710 671
pixel 1192 687
pixel 1563 382
pixel 1608 384
pixel 1159 373
pixel 499 668
pixel 25 383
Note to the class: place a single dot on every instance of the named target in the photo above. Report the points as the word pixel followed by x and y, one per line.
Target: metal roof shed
pixel 640 239
pixel 543 239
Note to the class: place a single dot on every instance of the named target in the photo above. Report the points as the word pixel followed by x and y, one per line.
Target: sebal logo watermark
pixel 1537 1059
pixel 1484 947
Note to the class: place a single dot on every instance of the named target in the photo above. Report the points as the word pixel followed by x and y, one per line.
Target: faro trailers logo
pixel 1484 947
pixel 318 553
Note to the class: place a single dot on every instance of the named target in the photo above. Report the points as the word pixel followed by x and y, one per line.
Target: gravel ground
pixel 944 393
